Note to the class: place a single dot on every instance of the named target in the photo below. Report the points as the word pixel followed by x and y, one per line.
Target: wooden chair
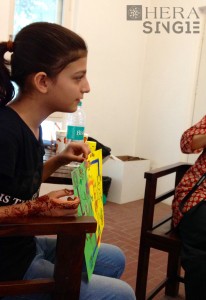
pixel 71 233
pixel 160 236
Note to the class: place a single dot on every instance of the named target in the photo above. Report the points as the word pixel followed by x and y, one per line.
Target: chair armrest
pixel 40 225
pixel 71 234
pixel 159 172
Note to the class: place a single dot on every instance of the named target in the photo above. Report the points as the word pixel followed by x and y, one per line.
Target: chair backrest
pixel 71 233
pixel 159 235
pixel 150 197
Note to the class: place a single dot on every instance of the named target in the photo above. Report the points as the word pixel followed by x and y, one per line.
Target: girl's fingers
pixel 61 193
pixel 74 203
pixel 69 192
pixel 69 203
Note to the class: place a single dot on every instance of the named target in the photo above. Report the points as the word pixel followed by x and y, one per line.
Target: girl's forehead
pixel 77 64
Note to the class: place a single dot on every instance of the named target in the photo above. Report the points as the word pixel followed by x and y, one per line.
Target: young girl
pixel 48 63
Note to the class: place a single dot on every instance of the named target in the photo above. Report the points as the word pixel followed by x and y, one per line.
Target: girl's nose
pixel 86 87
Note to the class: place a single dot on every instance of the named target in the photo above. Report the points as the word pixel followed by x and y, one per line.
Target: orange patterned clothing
pixel 192 175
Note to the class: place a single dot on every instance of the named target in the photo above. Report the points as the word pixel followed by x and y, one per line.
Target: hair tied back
pixel 10 44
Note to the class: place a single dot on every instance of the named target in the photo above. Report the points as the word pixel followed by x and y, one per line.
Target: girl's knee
pixel 110 261
pixel 101 287
pixel 125 291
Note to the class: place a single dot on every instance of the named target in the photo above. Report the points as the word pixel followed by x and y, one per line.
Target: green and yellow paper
pixel 87 184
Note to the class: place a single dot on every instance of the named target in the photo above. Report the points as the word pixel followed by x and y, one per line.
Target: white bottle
pixel 76 125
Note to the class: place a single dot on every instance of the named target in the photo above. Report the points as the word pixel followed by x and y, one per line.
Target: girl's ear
pixel 41 82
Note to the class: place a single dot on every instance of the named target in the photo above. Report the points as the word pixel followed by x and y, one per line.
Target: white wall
pixel 168 91
pixel 200 93
pixel 142 85
pixel 115 67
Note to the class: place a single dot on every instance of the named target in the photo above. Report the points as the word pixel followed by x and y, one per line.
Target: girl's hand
pixel 74 152
pixel 77 152
pixel 53 204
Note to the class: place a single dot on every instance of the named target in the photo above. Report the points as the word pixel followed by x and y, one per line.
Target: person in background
pixel 190 217
pixel 49 64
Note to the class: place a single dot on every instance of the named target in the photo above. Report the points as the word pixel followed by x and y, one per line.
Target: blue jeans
pixel 104 284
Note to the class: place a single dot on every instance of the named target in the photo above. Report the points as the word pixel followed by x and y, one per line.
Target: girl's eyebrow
pixel 80 72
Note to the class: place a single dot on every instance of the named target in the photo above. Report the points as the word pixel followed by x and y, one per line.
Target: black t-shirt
pixel 21 163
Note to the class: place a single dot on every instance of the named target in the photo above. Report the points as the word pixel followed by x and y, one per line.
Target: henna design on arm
pixel 28 208
pixel 38 206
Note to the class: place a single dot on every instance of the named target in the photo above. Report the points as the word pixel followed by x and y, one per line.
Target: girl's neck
pixel 29 112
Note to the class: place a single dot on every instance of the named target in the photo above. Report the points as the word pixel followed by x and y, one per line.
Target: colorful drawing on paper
pixel 87 184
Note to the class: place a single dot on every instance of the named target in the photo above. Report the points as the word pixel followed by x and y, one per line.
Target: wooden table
pixel 61 175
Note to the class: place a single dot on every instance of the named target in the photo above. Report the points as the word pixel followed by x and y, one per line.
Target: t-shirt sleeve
pixel 8 152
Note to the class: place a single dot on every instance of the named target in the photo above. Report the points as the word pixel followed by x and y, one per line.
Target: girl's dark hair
pixel 6 87
pixel 40 46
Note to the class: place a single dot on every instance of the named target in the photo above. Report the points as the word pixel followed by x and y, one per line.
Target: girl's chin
pixel 73 109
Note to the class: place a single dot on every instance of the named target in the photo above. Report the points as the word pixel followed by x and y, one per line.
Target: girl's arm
pixel 193 139
pixel 50 204
pixel 198 142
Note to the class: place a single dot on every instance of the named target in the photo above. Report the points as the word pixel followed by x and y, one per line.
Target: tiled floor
pixel 122 228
